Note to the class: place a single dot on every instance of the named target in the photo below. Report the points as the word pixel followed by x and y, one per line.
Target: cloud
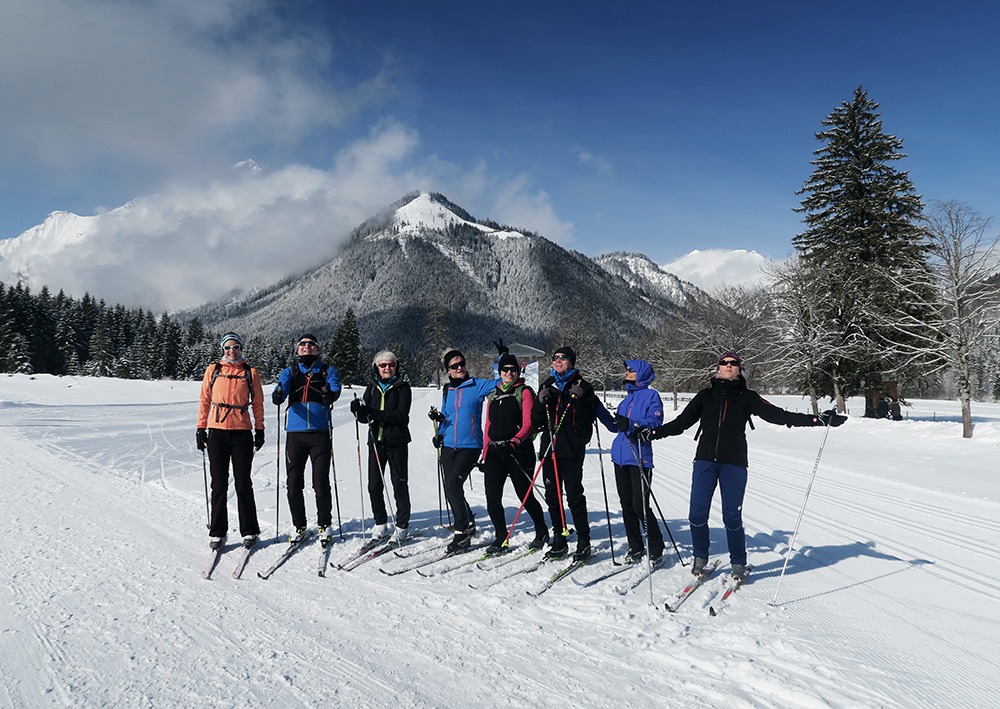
pixel 164 84
pixel 601 164
pixel 164 96
pixel 710 269
pixel 196 241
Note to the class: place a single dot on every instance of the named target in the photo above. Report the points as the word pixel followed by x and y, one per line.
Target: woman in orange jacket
pixel 230 390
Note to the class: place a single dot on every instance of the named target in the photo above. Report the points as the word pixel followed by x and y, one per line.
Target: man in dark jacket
pixel 565 414
pixel 723 410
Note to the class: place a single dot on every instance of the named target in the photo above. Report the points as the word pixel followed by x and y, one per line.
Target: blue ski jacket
pixel 642 407
pixel 304 391
pixel 462 406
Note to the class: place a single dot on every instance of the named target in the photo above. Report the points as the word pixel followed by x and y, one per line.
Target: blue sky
pixel 648 127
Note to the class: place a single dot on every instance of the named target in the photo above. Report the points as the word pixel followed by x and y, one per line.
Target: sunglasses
pixel 510 369
pixel 457 365
pixel 386 365
pixel 630 370
pixel 308 343
pixel 729 363
pixel 227 348
pixel 559 358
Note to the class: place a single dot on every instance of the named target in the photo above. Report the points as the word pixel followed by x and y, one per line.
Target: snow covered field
pixel 890 598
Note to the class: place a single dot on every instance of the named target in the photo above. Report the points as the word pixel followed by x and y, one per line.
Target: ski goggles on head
pixel 308 343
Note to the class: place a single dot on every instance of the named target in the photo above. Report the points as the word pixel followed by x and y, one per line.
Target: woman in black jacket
pixel 385 406
pixel 723 410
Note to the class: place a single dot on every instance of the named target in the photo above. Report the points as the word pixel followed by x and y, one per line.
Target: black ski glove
pixel 258 440
pixel 201 438
pixel 438 440
pixel 330 396
pixel 644 434
pixel 623 423
pixel 543 395
pixel 435 415
pixel 502 349
pixel 277 397
pixel 830 418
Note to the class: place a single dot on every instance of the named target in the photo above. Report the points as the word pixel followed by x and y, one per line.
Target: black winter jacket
pixel 577 415
pixel 390 412
pixel 723 410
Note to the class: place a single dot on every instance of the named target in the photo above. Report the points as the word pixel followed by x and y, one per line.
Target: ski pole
pixel 385 488
pixel 277 470
pixel 208 511
pixel 440 466
pixel 604 486
pixel 555 466
pixel 791 544
pixel 646 512
pixel 333 471
pixel 665 525
pixel 531 487
pixel 361 475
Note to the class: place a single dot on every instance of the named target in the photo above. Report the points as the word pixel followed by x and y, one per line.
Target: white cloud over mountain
pixel 710 269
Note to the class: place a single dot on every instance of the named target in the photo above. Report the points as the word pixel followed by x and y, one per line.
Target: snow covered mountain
pixel 493 280
pixel 59 233
pixel 640 271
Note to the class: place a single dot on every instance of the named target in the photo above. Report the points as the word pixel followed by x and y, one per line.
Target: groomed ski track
pixel 890 600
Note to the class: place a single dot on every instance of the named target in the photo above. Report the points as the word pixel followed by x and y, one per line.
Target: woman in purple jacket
pixel 641 407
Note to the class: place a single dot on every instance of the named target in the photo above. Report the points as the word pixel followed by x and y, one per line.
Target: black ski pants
pixel 225 446
pixel 632 492
pixel 518 466
pixel 457 464
pixel 396 457
pixel 570 474
pixel 315 446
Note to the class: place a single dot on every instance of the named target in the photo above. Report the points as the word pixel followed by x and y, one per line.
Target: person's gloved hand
pixel 830 418
pixel 330 396
pixel 623 423
pixel 277 396
pixel 258 440
pixel 435 415
pixel 201 438
pixel 644 434
pixel 576 391
pixel 438 440
pixel 544 394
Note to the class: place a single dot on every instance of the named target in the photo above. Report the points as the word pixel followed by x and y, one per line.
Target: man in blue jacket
pixel 311 387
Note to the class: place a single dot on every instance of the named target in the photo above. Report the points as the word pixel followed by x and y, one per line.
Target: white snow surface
pixel 889 599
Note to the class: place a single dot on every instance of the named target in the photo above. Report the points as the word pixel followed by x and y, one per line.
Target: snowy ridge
pixel 640 271
pixel 889 599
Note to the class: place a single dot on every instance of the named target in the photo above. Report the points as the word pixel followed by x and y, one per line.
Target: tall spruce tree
pixel 345 350
pixel 863 244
